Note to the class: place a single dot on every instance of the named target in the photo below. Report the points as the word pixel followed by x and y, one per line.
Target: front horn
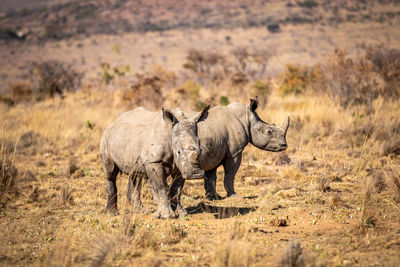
pixel 285 125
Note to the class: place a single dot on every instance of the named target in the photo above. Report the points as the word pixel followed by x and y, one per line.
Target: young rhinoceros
pixel 151 145
pixel 223 136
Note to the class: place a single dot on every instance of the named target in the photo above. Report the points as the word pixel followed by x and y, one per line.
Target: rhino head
pixel 264 135
pixel 185 142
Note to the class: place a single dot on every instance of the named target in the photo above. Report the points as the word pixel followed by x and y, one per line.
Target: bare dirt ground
pixel 333 191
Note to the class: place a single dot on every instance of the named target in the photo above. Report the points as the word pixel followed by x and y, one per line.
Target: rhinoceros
pixel 152 145
pixel 223 136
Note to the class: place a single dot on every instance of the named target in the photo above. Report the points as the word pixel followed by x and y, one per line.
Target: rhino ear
pixel 253 104
pixel 168 116
pixel 202 115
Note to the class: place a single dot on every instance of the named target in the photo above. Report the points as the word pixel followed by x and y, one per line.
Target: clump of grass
pixel 141 233
pixel 335 201
pixel 66 196
pixel 8 175
pixel 235 252
pixel 322 184
pixel 392 181
pixel 281 158
pixel 101 249
pixel 367 219
pixel 174 234
pixel 291 256
pixel 8 170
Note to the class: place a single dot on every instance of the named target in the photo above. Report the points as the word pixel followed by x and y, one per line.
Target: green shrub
pixel 224 101
pixel 192 89
pixel 199 105
pixel 109 73
pixel 297 79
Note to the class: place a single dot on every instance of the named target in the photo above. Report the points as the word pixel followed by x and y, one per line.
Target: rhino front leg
pixel 175 195
pixel 134 190
pixel 210 184
pixel 159 188
pixel 231 166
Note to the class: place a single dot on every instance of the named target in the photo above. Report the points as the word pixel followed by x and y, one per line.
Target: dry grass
pixel 276 191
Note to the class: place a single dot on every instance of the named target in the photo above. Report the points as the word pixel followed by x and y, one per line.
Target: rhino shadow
pixel 220 212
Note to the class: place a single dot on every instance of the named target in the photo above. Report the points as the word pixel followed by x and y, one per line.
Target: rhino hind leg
pixel 111 178
pixel 210 185
pixel 159 188
pixel 134 190
pixel 231 166
pixel 175 195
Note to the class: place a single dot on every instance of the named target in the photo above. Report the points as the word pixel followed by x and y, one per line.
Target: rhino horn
pixel 285 124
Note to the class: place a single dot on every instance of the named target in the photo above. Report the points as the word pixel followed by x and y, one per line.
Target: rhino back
pixel 137 137
pixel 224 133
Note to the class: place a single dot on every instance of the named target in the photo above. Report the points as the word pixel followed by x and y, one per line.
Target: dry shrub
pixel 291 256
pixel 348 81
pixel 386 62
pixel 21 92
pixel 51 78
pixel 241 65
pixel 148 90
pixel 238 79
pixel 30 142
pixel 208 64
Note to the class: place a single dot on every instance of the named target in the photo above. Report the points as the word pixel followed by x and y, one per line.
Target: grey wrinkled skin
pixel 223 136
pixel 150 145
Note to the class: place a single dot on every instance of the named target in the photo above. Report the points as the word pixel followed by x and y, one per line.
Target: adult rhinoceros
pixel 223 136
pixel 150 144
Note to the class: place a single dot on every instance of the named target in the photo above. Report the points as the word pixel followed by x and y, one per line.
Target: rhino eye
pixel 269 132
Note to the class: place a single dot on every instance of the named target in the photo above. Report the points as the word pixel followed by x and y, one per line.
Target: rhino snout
pixel 283 146
pixel 194 159
pixel 193 174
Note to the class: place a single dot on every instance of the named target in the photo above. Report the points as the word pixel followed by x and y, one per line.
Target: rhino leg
pixel 134 190
pixel 111 178
pixel 210 185
pixel 175 195
pixel 231 166
pixel 159 188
